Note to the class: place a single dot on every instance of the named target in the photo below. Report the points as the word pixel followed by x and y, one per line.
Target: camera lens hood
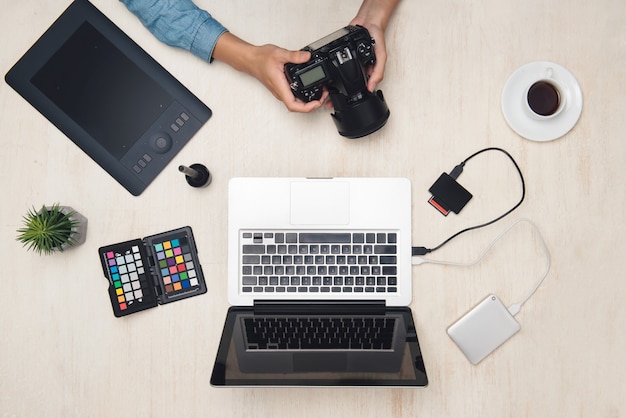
pixel 361 118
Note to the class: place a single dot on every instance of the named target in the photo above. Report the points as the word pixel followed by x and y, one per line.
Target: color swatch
pixel 176 265
pixel 127 272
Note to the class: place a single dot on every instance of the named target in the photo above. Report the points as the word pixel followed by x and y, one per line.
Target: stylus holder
pixel 197 175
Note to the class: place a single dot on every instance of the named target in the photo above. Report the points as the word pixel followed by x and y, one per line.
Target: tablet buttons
pixel 142 163
pixel 179 122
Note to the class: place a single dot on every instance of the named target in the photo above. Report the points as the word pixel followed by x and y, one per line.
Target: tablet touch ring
pixel 161 143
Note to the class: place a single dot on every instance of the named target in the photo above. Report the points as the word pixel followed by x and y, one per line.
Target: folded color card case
pixel 158 269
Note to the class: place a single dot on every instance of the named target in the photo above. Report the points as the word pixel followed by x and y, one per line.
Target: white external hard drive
pixel 483 329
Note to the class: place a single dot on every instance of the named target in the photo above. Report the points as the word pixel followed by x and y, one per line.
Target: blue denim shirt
pixel 179 23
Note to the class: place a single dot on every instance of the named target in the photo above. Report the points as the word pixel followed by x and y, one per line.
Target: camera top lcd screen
pixel 328 39
pixel 312 76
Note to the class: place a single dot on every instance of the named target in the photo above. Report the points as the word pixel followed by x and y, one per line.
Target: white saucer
pixel 513 106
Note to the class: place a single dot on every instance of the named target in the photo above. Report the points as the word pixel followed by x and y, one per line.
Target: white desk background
pixel 64 354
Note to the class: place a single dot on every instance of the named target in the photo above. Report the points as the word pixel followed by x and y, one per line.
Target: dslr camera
pixel 339 63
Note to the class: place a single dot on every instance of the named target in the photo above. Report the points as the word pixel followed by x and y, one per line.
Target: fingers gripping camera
pixel 338 60
pixel 339 63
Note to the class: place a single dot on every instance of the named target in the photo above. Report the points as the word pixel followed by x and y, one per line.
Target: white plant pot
pixel 79 232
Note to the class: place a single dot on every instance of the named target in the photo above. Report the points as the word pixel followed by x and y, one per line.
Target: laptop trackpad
pixel 319 362
pixel 320 202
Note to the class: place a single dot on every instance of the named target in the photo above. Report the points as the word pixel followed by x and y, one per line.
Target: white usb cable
pixel 516 307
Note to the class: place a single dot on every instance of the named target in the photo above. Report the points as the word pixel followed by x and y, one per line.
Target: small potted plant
pixel 52 228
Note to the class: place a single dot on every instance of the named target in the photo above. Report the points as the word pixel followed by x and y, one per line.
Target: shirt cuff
pixel 206 37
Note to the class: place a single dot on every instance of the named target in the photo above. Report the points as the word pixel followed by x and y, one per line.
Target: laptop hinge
pixel 370 307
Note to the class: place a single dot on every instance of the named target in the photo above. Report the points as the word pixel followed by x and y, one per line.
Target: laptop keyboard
pixel 318 262
pixel 319 333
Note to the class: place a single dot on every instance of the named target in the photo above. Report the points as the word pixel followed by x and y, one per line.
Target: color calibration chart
pixel 128 275
pixel 176 264
pixel 159 269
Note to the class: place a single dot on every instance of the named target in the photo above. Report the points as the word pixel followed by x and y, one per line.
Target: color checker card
pixel 159 269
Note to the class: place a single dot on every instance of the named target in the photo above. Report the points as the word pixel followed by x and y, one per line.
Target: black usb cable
pixel 448 195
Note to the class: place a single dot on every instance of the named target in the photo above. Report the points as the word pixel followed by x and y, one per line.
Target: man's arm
pixel 182 24
pixel 179 23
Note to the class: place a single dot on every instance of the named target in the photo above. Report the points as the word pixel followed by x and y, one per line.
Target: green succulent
pixel 47 230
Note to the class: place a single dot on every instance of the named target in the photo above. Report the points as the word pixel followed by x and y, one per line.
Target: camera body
pixel 338 60
pixel 339 63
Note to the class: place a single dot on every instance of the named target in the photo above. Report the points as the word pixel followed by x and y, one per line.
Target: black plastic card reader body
pixel 448 195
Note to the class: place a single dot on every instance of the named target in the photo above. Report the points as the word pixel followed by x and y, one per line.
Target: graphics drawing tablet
pixel 108 96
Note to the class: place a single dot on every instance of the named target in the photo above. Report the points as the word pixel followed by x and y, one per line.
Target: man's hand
pixel 265 63
pixel 374 15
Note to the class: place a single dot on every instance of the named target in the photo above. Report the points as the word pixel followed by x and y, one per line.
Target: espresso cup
pixel 544 98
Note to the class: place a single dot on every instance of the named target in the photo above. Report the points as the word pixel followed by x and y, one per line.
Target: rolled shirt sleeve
pixel 179 23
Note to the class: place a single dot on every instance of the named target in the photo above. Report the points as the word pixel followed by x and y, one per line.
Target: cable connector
pixel 515 308
pixel 447 194
pixel 420 251
pixel 456 171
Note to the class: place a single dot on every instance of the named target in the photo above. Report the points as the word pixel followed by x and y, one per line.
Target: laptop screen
pixel 263 350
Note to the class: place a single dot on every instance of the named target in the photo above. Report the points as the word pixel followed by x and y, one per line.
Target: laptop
pixel 319 283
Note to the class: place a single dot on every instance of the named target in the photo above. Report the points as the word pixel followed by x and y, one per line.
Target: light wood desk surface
pixel 63 353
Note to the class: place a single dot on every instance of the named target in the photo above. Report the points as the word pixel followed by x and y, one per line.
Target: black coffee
pixel 543 98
